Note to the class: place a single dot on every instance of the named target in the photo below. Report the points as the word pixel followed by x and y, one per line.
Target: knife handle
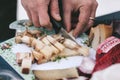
pixel 56 25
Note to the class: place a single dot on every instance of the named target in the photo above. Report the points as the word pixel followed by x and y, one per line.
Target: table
pixel 11 59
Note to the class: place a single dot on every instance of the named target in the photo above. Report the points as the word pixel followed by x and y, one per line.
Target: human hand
pixel 79 14
pixel 37 11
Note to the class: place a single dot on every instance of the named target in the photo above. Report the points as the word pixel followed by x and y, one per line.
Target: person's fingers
pixel 67 17
pixel 67 20
pixel 35 18
pixel 28 13
pixel 94 8
pixel 89 25
pixel 27 10
pixel 44 19
pixel 54 10
pixel 93 12
pixel 83 19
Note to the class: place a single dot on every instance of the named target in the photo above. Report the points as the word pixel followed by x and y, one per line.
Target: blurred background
pixel 11 10
pixel 8 10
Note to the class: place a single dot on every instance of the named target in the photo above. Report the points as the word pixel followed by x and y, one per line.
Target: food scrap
pixel 6 46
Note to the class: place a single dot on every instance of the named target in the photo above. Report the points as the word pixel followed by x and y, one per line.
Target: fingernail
pixel 75 35
pixel 58 17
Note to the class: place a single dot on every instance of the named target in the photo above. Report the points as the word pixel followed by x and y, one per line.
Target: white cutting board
pixel 64 63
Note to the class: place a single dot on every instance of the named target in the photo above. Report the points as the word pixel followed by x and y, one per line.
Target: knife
pixel 60 29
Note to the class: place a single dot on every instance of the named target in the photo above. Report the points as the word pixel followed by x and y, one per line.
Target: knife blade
pixel 60 29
